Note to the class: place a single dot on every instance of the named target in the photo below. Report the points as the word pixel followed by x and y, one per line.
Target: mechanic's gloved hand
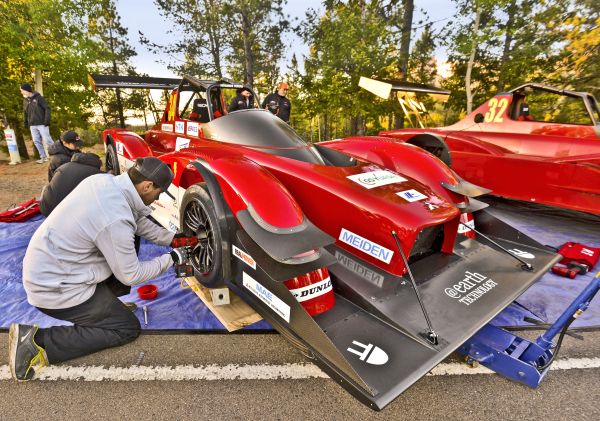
pixel 181 240
pixel 181 255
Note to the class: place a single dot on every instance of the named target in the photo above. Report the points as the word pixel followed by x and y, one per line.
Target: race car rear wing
pixel 132 82
pixel 384 87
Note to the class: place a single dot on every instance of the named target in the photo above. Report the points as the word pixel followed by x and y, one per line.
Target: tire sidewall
pixel 198 192
pixel 111 153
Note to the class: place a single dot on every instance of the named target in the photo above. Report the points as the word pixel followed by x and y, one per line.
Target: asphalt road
pixel 564 394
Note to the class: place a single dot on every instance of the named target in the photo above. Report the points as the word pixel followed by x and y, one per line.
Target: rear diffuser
pixel 372 342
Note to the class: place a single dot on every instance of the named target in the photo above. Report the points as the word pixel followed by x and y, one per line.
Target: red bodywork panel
pixel 550 163
pixel 281 191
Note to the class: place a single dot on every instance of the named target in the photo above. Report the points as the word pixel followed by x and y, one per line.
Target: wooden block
pixel 233 316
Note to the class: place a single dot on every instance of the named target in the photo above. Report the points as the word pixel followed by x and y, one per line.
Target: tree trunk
pixel 248 58
pixel 511 11
pixel 215 43
pixel 116 73
pixel 469 93
pixel 407 18
pixel 39 84
pixel 360 125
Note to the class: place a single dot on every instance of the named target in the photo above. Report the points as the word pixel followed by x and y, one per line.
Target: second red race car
pixel 349 248
pixel 534 143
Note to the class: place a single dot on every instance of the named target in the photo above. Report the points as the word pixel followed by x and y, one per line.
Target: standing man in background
pixel 37 118
pixel 243 101
pixel 278 102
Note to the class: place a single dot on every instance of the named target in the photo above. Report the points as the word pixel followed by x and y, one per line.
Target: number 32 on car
pixel 496 112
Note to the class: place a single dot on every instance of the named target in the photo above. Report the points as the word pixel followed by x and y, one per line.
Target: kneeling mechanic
pixel 76 258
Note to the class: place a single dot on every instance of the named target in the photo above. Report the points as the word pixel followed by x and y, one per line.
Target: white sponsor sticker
pixel 411 195
pixel 373 249
pixel 312 291
pixel 180 127
pixel 370 353
pixel 523 254
pixel 166 127
pixel 267 297
pixel 181 143
pixel 466 226
pixel 192 128
pixel 119 148
pixel 472 287
pixel 377 178
pixel 244 257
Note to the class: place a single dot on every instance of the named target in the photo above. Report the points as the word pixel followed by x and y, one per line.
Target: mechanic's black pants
pixel 101 322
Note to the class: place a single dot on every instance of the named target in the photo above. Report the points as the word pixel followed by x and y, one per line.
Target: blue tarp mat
pixel 549 297
pixel 174 307
pixel 179 308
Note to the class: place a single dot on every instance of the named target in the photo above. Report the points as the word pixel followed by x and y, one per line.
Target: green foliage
pixel 352 39
pixel 50 36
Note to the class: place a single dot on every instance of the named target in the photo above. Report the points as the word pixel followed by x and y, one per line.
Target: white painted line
pixel 244 372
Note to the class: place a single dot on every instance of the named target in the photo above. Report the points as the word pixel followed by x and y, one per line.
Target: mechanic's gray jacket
pixel 88 236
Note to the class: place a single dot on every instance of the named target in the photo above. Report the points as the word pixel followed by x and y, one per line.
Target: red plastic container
pixel 148 292
pixel 313 291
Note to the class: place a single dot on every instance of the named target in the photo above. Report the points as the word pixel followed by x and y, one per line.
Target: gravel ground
pixel 19 183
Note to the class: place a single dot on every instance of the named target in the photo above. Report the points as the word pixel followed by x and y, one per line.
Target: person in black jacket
pixel 62 151
pixel 243 101
pixel 278 102
pixel 37 118
pixel 66 178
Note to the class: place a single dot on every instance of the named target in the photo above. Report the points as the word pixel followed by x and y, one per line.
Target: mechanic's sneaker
pixel 23 353
pixel 41 160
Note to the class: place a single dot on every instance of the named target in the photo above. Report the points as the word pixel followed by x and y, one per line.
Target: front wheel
pixel 198 216
pixel 112 161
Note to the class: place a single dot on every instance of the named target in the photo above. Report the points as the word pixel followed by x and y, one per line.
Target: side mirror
pixel 478 118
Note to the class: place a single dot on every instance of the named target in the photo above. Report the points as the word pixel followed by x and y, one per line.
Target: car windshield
pixel 264 131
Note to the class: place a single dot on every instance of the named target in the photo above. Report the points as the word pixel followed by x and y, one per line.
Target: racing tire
pixel 198 216
pixel 112 161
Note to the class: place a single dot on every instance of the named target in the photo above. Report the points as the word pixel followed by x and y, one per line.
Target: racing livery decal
pixel 192 128
pixel 369 247
pixel 180 127
pixel 373 354
pixel 377 178
pixel 267 297
pixel 411 195
pixel 166 127
pixel 244 257
pixel 463 291
pixel 119 148
pixel 182 143
pixel 312 291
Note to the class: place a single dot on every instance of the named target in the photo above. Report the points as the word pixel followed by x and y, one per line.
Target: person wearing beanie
pixel 243 101
pixel 62 151
pixel 37 118
pixel 278 102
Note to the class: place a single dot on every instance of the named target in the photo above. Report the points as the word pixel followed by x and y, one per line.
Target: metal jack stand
pixel 517 358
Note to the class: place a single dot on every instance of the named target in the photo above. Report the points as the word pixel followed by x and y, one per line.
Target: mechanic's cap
pixel 283 85
pixel 156 171
pixel 72 137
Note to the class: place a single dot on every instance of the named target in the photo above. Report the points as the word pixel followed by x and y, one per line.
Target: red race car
pixel 349 248
pixel 534 143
